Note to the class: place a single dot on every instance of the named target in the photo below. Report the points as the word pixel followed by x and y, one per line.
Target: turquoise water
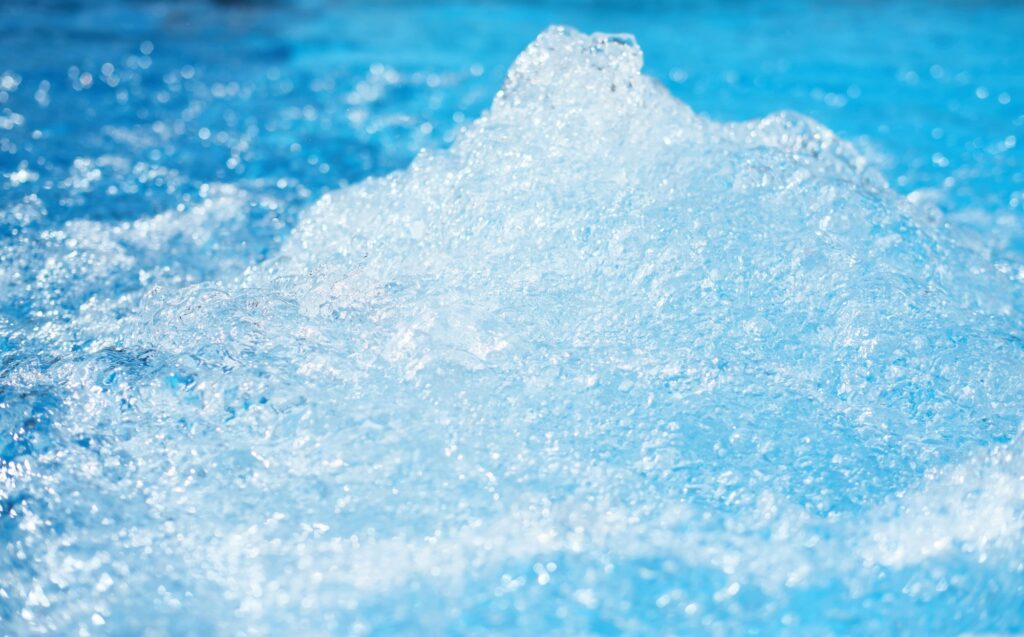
pixel 316 318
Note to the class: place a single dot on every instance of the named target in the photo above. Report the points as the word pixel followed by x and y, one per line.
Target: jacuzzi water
pixel 720 338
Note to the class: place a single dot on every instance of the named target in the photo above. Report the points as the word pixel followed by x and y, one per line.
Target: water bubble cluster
pixel 603 366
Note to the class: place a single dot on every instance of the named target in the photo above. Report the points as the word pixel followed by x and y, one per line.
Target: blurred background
pixel 112 110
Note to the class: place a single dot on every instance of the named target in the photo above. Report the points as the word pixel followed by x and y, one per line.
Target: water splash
pixel 603 366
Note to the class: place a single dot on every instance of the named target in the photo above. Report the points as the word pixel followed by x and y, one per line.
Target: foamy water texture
pixel 604 366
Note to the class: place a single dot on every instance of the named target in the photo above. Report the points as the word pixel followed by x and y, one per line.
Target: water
pixel 595 362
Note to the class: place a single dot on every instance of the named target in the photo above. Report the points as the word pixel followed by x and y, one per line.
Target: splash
pixel 602 366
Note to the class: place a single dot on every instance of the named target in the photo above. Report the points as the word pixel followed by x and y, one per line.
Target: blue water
pixel 318 318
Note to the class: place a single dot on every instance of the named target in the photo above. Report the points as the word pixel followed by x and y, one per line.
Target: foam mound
pixel 604 366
